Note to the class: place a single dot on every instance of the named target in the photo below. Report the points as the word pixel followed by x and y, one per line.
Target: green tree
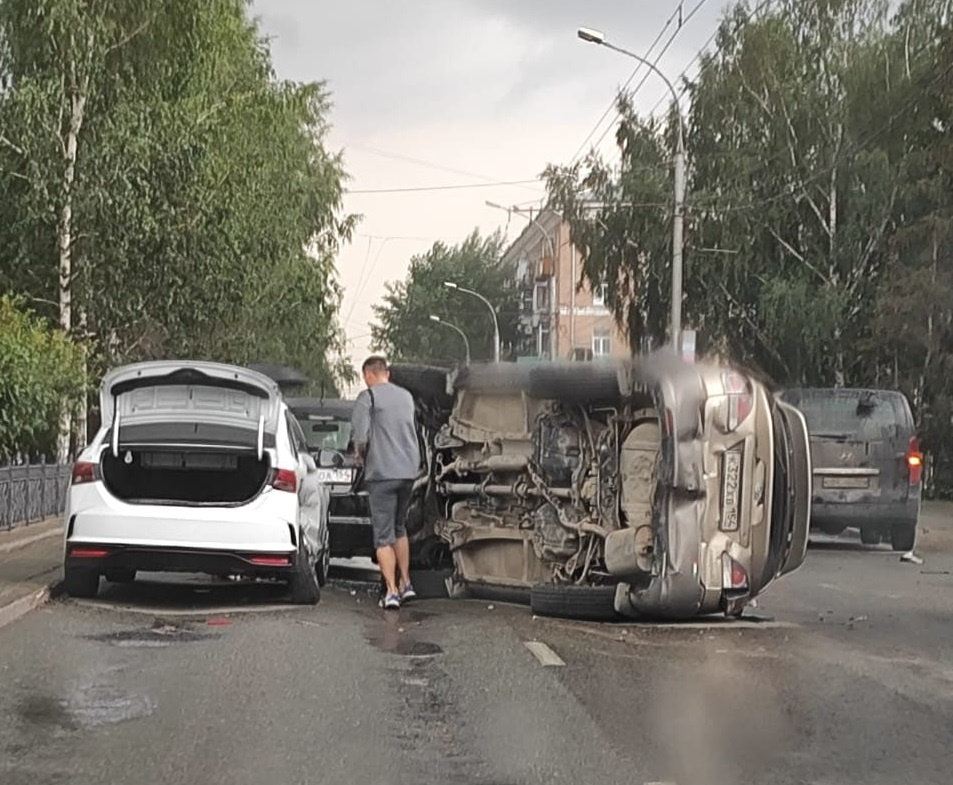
pixel 404 330
pixel 165 194
pixel 620 219
pixel 39 369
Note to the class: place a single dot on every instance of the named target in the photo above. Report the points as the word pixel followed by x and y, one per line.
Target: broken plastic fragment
pixel 911 558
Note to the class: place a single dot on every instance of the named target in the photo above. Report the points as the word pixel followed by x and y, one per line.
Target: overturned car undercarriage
pixel 589 485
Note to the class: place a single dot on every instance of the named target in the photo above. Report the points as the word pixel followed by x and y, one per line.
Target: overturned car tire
pixel 493 377
pixel 422 381
pixel 576 383
pixel 585 603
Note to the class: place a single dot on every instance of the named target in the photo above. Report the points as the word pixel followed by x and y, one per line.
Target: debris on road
pixel 911 558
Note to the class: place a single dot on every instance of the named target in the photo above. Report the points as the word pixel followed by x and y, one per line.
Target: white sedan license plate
pixel 334 476
pixel 731 491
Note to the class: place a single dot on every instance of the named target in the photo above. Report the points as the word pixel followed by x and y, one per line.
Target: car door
pixel 313 496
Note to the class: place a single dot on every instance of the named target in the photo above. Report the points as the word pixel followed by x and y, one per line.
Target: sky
pixel 432 95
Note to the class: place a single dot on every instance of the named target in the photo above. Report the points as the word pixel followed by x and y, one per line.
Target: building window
pixel 599 294
pixel 542 297
pixel 601 343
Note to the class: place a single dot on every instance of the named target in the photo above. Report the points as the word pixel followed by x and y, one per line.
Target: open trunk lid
pixel 184 404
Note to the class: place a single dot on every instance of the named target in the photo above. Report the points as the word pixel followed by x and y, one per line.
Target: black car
pixel 866 462
pixel 327 429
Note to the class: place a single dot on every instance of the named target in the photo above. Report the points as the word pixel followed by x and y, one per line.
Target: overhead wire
pixel 697 7
pixel 627 82
pixel 454 187
pixel 423 162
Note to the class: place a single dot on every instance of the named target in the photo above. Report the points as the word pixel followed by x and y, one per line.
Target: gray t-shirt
pixel 393 452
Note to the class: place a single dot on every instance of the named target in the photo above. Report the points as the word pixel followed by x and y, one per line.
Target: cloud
pixel 495 89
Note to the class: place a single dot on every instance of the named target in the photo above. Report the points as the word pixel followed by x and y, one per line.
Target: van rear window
pixel 849 414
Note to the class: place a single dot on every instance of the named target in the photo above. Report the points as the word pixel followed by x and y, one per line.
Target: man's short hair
pixel 375 364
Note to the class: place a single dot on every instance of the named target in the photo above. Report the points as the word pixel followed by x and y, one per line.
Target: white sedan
pixel 198 467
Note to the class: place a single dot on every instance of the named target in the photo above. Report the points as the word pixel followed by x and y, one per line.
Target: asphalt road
pixel 851 682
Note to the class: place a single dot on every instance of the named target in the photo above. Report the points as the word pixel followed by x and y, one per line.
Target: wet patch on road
pixel 160 635
pixel 88 706
pixel 45 711
pixel 391 637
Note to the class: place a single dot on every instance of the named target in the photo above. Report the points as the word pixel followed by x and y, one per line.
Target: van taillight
pixel 84 472
pixel 914 461
pixel 285 480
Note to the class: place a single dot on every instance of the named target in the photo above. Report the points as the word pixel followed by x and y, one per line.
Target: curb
pixel 19 608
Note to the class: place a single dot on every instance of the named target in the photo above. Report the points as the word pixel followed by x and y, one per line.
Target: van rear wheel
pixel 870 536
pixel 903 536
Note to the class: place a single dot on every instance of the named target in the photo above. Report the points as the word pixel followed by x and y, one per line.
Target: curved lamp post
pixel 466 342
pixel 496 324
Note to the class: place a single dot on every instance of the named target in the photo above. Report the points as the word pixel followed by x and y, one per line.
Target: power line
pixel 628 81
pixel 422 162
pixel 657 59
pixel 764 4
pixel 414 189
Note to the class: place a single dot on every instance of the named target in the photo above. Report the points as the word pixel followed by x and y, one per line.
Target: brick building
pixel 557 321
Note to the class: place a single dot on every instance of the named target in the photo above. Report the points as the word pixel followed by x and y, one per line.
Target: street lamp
pixel 598 37
pixel 496 324
pixel 552 254
pixel 466 342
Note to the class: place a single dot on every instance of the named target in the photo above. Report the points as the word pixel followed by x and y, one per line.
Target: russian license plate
pixel 731 491
pixel 335 476
pixel 847 482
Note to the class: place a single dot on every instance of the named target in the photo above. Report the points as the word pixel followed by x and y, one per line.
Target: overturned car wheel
pixel 576 383
pixel 586 603
pixel 423 381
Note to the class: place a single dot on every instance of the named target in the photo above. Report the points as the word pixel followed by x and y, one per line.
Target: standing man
pixel 385 439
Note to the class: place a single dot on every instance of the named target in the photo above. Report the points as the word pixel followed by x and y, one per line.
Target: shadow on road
pixel 197 593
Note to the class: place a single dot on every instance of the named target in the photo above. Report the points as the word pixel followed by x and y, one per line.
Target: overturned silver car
pixel 653 488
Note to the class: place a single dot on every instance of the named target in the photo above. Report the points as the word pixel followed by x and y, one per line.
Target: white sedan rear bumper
pixel 265 525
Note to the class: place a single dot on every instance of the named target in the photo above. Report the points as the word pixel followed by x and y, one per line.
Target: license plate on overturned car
pixel 731 491
pixel 335 476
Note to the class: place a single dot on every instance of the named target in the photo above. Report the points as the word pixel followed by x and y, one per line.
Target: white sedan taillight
pixel 84 472
pixel 285 480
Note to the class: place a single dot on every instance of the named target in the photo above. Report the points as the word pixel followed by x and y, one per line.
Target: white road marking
pixel 546 656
